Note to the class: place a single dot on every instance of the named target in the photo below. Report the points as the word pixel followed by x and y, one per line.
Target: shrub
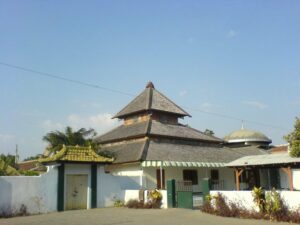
pixel 259 198
pixel 118 203
pixel 275 206
pixel 135 204
pixel 7 212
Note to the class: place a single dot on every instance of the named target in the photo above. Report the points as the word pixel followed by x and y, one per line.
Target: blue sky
pixel 238 58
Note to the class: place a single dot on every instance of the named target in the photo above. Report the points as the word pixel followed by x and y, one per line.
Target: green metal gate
pixel 184 191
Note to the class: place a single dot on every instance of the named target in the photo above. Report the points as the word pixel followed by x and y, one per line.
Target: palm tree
pixel 56 139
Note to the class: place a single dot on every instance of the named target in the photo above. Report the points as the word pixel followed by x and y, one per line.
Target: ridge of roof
pixel 151 100
pixel 76 154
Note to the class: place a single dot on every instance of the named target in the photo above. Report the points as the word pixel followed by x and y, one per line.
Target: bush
pixel 135 204
pixel 7 212
pixel 271 206
pixel 118 203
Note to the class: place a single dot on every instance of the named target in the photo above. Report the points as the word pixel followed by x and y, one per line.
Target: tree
pixel 209 132
pixel 293 139
pixel 81 137
pixel 8 160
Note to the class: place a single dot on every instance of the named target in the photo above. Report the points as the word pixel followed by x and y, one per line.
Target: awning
pixel 157 163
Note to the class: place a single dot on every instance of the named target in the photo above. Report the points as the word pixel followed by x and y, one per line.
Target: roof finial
pixel 242 128
pixel 150 85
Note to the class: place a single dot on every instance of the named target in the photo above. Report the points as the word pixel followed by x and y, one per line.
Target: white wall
pixel 37 193
pixel 296 178
pixel 121 183
pixel 111 186
pixel 245 198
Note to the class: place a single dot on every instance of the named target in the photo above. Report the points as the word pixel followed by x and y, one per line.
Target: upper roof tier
pixel 151 100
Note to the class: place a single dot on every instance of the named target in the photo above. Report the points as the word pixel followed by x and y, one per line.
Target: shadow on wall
pixel 5 197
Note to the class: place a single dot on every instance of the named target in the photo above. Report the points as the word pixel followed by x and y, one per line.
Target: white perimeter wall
pixel 121 183
pixel 245 198
pixel 37 193
pixel 113 182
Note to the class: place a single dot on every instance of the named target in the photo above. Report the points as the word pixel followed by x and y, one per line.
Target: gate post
pixel 171 193
pixel 60 187
pixel 206 187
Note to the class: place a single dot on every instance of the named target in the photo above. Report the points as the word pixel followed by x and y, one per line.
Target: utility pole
pixel 17 155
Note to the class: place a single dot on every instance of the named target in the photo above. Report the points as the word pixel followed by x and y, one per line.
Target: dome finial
pixel 150 85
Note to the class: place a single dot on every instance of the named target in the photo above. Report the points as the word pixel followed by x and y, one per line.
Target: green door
pixel 185 199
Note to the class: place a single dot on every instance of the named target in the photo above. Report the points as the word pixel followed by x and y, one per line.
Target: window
pixel 190 175
pixel 214 174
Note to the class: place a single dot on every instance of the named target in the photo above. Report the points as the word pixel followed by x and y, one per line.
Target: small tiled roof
pixel 147 150
pixel 151 100
pixel 155 128
pixel 76 154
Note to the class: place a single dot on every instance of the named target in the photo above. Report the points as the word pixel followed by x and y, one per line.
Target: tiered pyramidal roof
pixel 151 131
pixel 151 100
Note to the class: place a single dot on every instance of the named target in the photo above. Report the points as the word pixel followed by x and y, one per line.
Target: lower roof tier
pixel 148 150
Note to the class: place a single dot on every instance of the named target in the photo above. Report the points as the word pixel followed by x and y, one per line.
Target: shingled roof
pixel 76 154
pixel 155 128
pixel 151 150
pixel 151 100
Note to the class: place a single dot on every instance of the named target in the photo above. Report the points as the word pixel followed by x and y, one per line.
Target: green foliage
pixel 274 207
pixel 81 137
pixel 155 195
pixel 7 170
pixel 28 173
pixel 8 160
pixel 209 132
pixel 118 203
pixel 259 198
pixel 293 139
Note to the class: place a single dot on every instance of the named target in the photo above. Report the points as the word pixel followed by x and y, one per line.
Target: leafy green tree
pixel 293 139
pixel 209 132
pixel 8 160
pixel 81 137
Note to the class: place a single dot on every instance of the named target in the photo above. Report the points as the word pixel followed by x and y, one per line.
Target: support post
pixel 60 187
pixel 161 176
pixel 237 178
pixel 94 186
pixel 206 187
pixel 288 171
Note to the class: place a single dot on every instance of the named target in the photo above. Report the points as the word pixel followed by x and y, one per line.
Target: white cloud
pixel 101 122
pixel 50 125
pixel 231 33
pixel 256 104
pixel 182 93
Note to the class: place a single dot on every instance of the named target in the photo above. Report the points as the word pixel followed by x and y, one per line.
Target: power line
pixel 65 79
pixel 44 74
pixel 235 118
